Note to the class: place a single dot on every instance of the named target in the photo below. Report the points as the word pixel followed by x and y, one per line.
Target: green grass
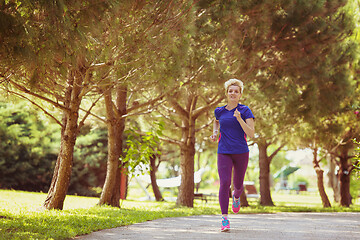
pixel 21 217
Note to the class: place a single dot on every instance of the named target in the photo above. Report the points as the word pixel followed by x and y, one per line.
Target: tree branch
pixel 352 167
pixel 165 139
pixel 25 90
pixel 170 140
pixel 199 111
pixel 276 151
pixel 170 120
pixel 204 126
pixel 180 110
pixel 160 97
pixel 97 117
pixel 37 105
pixel 88 112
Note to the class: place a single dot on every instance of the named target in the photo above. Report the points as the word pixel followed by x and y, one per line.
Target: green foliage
pixel 90 156
pixel 28 148
pixel 357 158
pixel 355 183
pixel 300 179
pixel 279 160
pixel 355 188
pixel 141 147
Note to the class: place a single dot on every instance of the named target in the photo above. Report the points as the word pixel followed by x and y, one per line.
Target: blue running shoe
pixel 235 204
pixel 225 224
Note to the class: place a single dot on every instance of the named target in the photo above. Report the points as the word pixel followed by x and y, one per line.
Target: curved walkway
pixel 294 226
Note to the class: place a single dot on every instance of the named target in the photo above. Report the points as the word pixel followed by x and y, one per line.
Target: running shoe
pixel 225 224
pixel 235 204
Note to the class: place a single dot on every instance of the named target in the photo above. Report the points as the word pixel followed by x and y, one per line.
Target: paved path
pixel 294 226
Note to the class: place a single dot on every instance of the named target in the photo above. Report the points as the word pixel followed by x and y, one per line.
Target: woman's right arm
pixel 216 127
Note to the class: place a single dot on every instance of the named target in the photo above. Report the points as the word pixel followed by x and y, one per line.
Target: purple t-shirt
pixel 232 139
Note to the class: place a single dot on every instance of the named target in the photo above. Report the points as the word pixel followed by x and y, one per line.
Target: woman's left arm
pixel 248 126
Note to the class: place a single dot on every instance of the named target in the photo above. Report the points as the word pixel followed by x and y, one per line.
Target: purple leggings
pixel 225 164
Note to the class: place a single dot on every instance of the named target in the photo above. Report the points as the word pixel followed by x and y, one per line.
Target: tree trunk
pixel 188 116
pixel 197 186
pixel 264 164
pixel 111 190
pixel 333 178
pixel 186 190
pixel 344 175
pixel 320 183
pixel 243 199
pixel 121 105
pixel 320 180
pixel 154 185
pixel 62 172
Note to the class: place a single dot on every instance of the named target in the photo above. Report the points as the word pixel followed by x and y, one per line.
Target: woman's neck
pixel 231 105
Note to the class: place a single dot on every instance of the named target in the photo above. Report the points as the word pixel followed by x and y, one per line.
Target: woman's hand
pixel 247 125
pixel 237 114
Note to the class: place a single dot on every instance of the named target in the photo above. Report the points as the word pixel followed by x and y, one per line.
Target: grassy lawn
pixel 21 218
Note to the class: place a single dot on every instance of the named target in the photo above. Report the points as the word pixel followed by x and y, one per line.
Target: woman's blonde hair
pixel 235 82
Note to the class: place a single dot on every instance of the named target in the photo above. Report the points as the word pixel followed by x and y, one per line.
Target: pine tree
pixel 63 41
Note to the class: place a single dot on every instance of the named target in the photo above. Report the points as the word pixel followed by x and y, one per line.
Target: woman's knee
pixel 225 183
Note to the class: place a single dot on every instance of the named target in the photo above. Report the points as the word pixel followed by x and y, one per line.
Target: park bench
pixel 250 190
pixel 206 197
pixel 249 186
pixel 171 183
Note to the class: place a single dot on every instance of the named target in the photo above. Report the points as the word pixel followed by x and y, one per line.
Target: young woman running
pixel 235 121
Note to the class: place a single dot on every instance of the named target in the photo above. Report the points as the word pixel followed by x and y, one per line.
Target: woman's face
pixel 233 93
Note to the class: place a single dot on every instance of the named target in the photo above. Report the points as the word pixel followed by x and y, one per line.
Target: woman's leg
pixel 240 162
pixel 225 165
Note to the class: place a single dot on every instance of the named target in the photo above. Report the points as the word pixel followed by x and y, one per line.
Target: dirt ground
pixel 293 226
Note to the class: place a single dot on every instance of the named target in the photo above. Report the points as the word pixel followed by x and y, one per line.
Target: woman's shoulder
pixel 245 110
pixel 218 110
pixel 242 106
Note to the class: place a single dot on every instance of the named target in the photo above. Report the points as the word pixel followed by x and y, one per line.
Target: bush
pixel 357 158
pixel 27 148
pixel 301 180
pixel 90 159
pixel 29 145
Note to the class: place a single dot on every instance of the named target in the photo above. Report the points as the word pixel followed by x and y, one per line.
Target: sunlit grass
pixel 22 218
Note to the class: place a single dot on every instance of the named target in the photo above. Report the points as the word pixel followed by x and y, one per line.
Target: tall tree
pixel 140 80
pixel 187 109
pixel 116 125
pixel 300 58
pixel 342 148
pixel 273 128
pixel 320 178
pixel 333 124
pixel 61 44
